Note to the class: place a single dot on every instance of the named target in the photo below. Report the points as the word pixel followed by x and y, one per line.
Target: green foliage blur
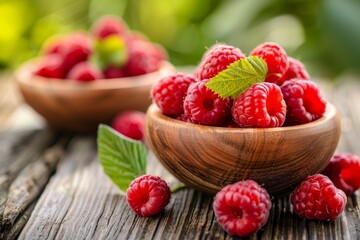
pixel 324 34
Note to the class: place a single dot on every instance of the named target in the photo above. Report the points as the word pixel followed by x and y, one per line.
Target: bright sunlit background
pixel 324 34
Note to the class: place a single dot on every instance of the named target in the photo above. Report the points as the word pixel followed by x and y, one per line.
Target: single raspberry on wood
pixel 169 93
pixel 203 106
pixel 130 124
pixel 276 59
pixel 304 101
pixel 296 70
pixel 242 208
pixel 261 105
pixel 344 171
pixel 217 59
pixel 317 198
pixel 148 195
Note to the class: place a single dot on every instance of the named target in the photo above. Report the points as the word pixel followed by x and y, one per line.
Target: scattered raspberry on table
pixel 318 198
pixel 344 171
pixel 242 208
pixel 148 195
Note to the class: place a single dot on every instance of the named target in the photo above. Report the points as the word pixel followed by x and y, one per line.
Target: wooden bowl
pixel 80 107
pixel 208 158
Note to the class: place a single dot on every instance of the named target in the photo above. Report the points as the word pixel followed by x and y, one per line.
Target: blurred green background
pixel 324 34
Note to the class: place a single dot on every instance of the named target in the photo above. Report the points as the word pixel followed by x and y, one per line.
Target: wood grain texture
pixel 80 107
pixel 209 158
pixel 80 202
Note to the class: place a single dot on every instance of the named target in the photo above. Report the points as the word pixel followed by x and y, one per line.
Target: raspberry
pixel 261 105
pixel 109 25
pixel 84 72
pixel 276 60
pixel 130 124
pixel 144 57
pixel 148 195
pixel 114 72
pixel 296 70
pixel 343 170
pixel 242 208
pixel 203 106
pixel 53 45
pixel 217 59
pixel 317 198
pixel 77 48
pixel 170 91
pixel 303 101
pixel 50 66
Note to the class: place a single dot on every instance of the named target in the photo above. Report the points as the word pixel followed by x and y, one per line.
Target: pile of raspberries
pixel 287 96
pixel 69 56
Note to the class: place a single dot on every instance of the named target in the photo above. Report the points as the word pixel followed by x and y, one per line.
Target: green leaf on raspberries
pixel 238 77
pixel 122 158
pixel 110 51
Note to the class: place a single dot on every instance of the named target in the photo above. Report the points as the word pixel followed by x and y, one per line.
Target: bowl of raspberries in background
pixel 239 117
pixel 85 78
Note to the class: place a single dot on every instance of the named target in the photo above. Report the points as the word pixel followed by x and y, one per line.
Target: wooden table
pixel 52 186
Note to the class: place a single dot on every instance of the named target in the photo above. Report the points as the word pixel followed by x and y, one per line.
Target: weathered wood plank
pixel 90 207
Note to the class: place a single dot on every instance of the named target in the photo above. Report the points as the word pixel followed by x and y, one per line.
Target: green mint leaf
pixel 122 158
pixel 110 51
pixel 238 76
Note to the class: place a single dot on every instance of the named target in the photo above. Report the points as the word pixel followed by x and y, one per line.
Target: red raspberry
pixel 343 170
pixel 144 57
pixel 109 25
pixel 54 45
pixel 261 105
pixel 170 91
pixel 114 72
pixel 303 101
pixel 50 66
pixel 276 60
pixel 78 48
pixel 296 70
pixel 84 72
pixel 203 106
pixel 217 59
pixel 317 198
pixel 130 124
pixel 242 208
pixel 148 195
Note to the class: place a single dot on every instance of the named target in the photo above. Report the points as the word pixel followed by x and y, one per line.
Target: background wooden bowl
pixel 80 107
pixel 208 158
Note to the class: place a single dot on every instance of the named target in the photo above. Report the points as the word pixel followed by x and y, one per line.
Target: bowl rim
pixel 155 112
pixel 24 76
